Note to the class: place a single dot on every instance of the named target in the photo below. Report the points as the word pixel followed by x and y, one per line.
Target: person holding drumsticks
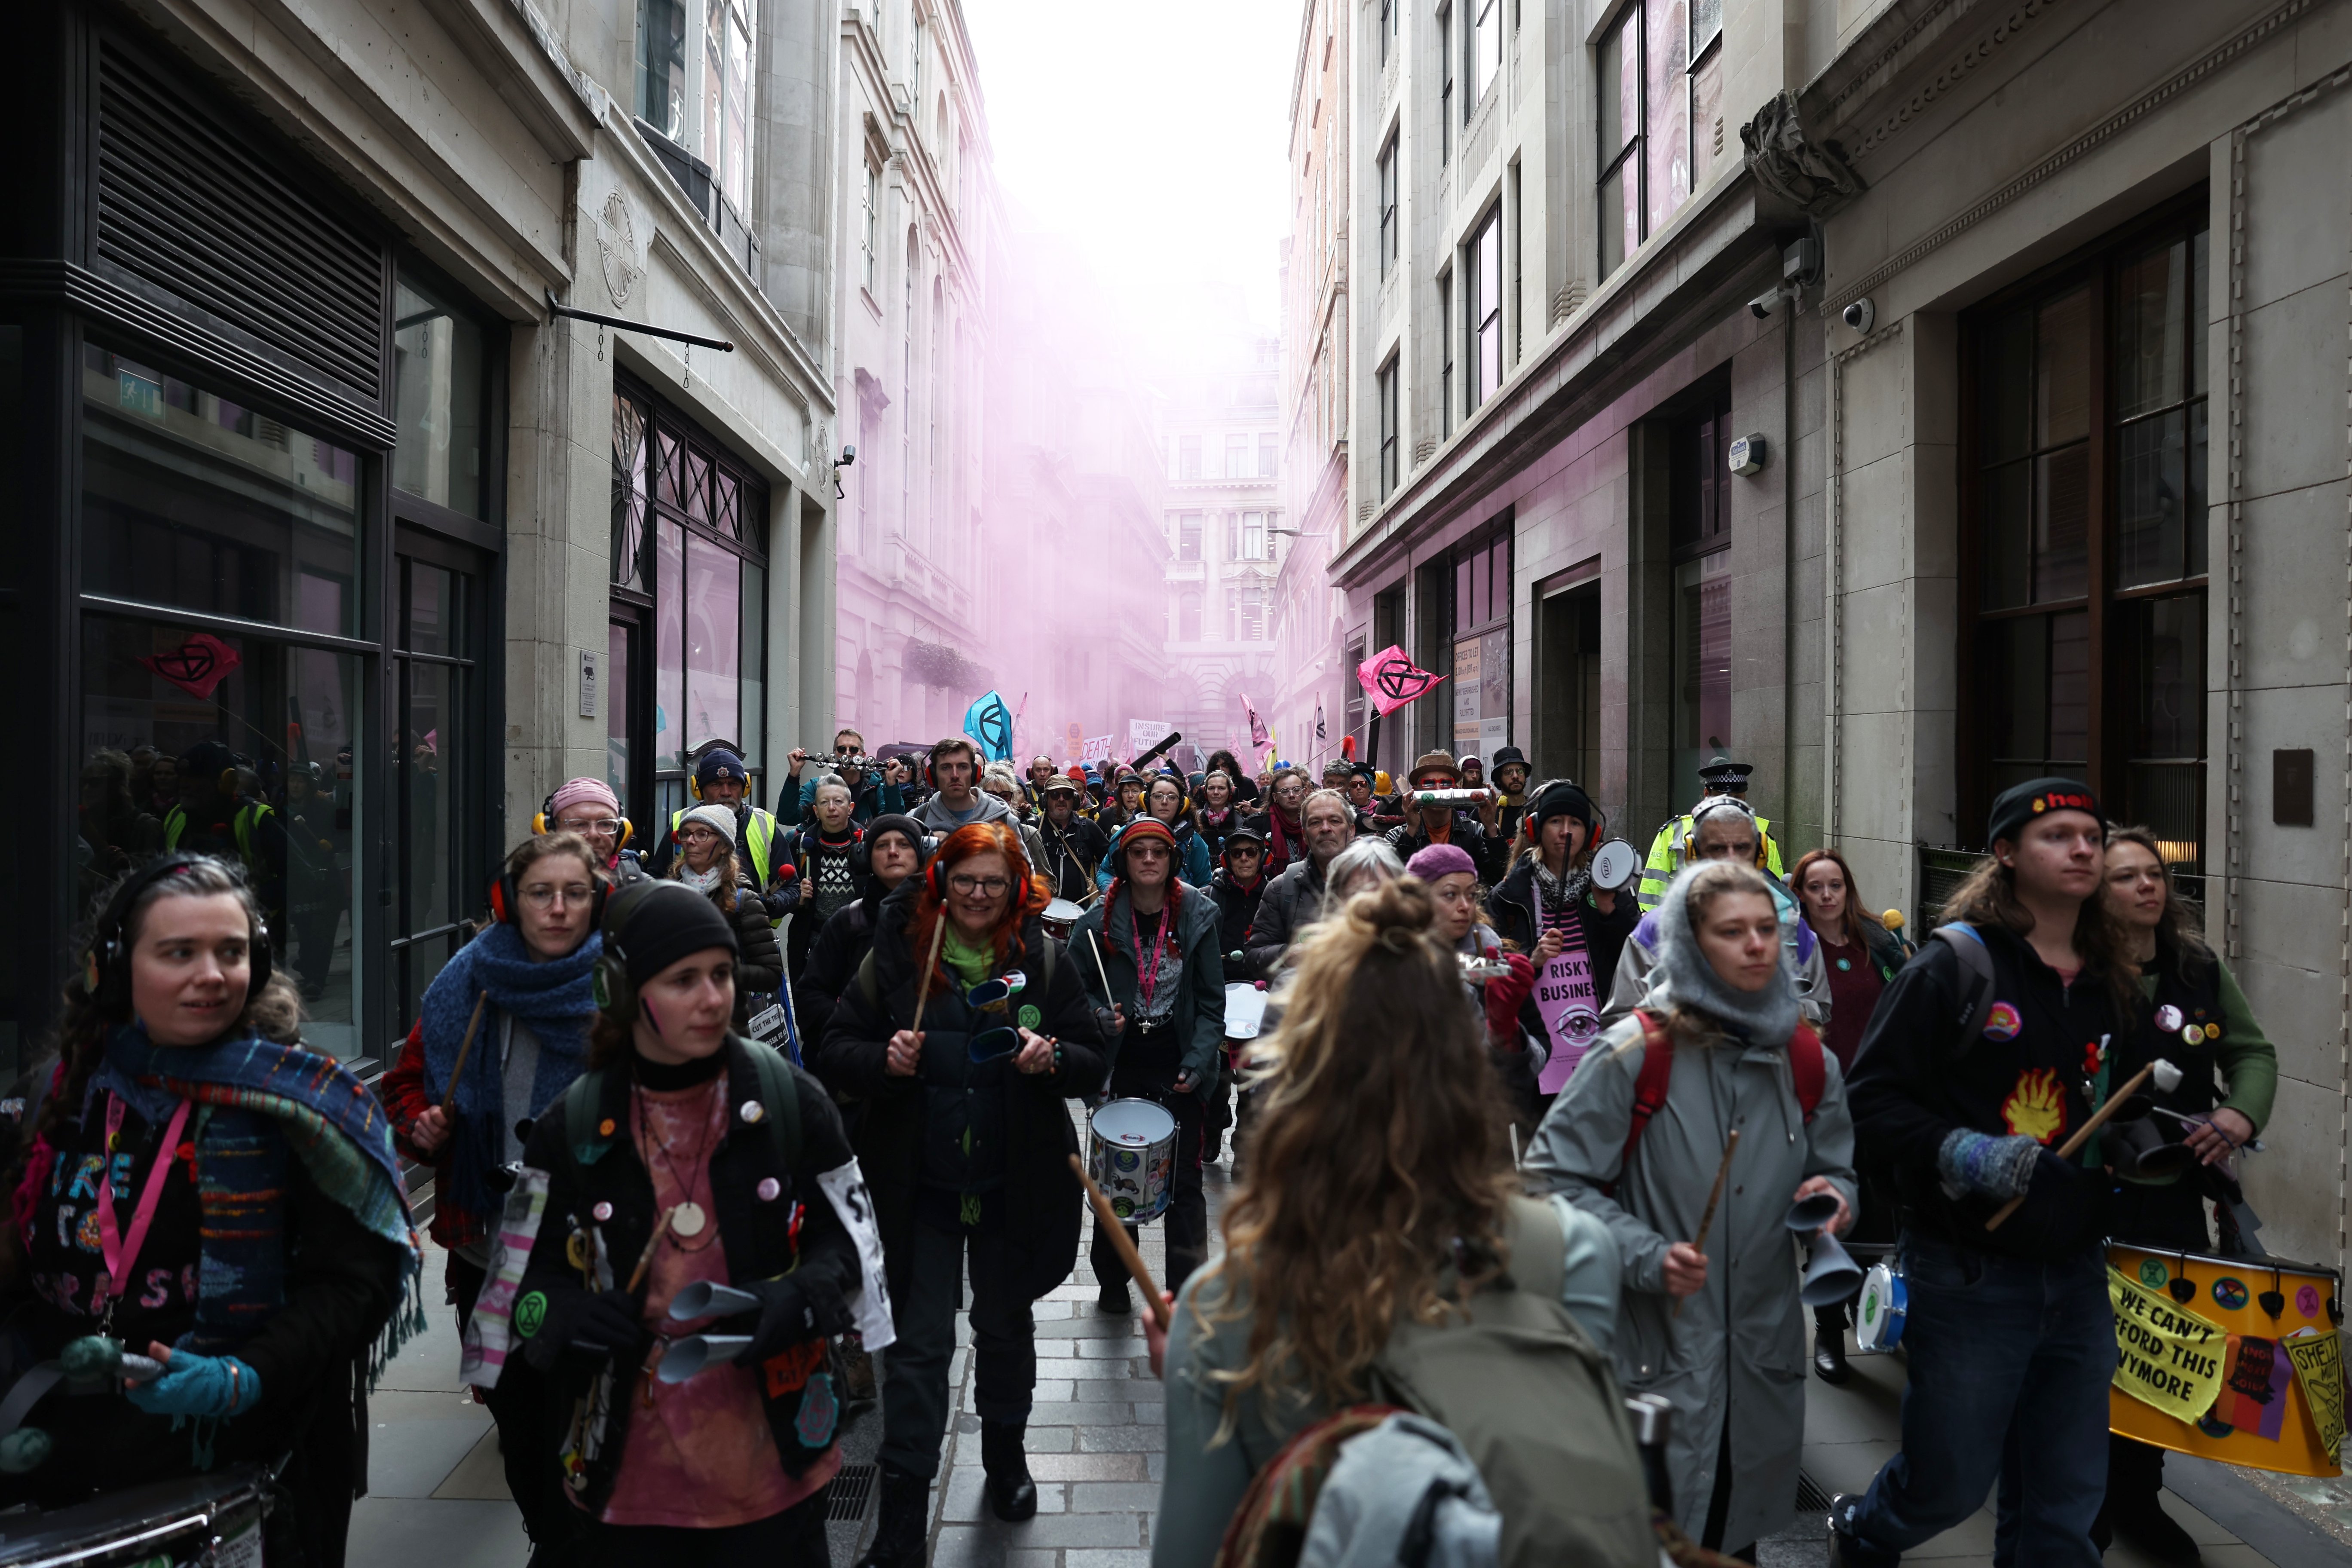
pixel 963 1033
pixel 2010 1337
pixel 687 1157
pixel 2200 1022
pixel 1153 941
pixel 1690 1127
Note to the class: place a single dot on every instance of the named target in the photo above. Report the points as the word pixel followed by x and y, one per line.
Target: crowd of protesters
pixel 721 1122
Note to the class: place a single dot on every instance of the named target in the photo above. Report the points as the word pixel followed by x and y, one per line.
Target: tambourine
pixel 1615 864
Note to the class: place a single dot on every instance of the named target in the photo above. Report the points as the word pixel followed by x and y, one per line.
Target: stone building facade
pixel 1906 397
pixel 1220 438
pixel 304 466
pixel 914 209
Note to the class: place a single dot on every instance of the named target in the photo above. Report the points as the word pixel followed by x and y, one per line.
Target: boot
pixel 1012 1495
pixel 1828 1346
pixel 2134 1511
pixel 899 1539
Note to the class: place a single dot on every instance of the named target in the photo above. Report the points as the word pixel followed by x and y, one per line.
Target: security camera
pixel 848 457
pixel 1860 315
pixel 1764 304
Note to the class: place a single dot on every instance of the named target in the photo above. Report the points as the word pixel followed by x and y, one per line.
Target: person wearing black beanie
pixel 1985 1053
pixel 892 851
pixel 1548 908
pixel 688 1158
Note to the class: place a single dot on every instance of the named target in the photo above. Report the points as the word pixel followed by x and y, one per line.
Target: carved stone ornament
pixel 1812 176
pixel 616 241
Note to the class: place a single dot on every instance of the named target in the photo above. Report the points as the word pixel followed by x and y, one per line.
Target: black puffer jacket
pixel 1237 906
pixel 1042 1198
pixel 1288 908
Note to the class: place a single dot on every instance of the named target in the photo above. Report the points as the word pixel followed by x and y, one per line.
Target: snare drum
pixel 1132 1154
pixel 1885 1302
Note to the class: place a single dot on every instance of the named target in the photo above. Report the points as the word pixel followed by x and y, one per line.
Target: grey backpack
pixel 1535 1404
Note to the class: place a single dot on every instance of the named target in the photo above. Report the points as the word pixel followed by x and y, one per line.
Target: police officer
pixel 216 816
pixel 721 779
pixel 1670 851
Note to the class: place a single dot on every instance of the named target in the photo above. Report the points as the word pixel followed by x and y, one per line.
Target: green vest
pixel 1666 857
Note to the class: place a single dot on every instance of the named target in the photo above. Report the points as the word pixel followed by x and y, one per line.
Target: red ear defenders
pixel 506 895
pixel 543 821
pixel 106 967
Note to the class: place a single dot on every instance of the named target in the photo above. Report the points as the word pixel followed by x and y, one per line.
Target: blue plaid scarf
pixel 257 1102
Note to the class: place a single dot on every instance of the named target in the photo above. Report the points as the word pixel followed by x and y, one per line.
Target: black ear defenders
pixel 506 893
pixel 544 822
pixel 609 983
pixel 106 966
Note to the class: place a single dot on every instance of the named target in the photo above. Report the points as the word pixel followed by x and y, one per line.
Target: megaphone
pixel 2140 1150
pixel 690 1355
pixel 707 1299
pixel 1831 1275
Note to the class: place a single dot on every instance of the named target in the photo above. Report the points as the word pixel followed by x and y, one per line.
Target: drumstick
pixel 2074 1146
pixel 923 991
pixel 1139 1271
pixel 1706 1219
pixel 1110 998
pixel 645 1259
pixel 449 1100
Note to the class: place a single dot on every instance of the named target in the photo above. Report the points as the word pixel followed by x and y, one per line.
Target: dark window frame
pixel 2110 611
pixel 1385 384
pixel 1387 167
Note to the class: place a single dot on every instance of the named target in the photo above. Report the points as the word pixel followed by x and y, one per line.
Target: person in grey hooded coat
pixel 1733 1362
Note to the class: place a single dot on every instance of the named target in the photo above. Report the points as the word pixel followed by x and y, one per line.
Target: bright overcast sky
pixel 1153 134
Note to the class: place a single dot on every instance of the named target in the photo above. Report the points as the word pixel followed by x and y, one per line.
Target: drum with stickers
pixel 1132 1154
pixel 1885 1302
pixel 2250 1343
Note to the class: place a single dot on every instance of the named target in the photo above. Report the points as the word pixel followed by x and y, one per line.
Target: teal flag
pixel 989 724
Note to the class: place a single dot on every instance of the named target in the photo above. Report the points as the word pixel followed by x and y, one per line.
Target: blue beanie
pixel 717 764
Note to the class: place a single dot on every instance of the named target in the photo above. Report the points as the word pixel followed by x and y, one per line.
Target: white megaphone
pixel 690 1355
pixel 1831 1273
pixel 707 1299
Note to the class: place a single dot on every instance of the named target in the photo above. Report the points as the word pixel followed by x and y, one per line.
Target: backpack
pixel 1535 1404
pixel 1525 1393
pixel 779 1093
pixel 1806 1068
pixel 1976 966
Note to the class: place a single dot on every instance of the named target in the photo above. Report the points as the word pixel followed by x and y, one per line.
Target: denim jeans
pixel 2009 1363
pixel 915 1390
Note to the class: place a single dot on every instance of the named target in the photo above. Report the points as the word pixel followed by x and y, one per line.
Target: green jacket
pixel 1666 851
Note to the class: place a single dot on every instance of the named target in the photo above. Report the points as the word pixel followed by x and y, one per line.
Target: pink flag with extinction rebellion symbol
pixel 197 666
pixel 1392 680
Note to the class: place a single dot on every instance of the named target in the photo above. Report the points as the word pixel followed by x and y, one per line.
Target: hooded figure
pixel 1733 1362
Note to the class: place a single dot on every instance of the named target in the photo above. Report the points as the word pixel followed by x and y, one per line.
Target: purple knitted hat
pixel 1436 860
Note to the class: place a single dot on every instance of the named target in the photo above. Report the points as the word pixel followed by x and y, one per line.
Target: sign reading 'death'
pixel 1098 748
pixel 1392 680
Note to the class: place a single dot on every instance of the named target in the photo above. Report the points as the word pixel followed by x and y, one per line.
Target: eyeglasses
pixel 606 825
pixel 987 887
pixel 541 896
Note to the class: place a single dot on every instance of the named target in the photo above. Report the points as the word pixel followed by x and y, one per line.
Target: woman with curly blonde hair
pixel 1379 1193
pixel 964 1137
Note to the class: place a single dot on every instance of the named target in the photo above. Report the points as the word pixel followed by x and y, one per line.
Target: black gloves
pixel 607 1322
pixel 793 1310
pixel 2061 1212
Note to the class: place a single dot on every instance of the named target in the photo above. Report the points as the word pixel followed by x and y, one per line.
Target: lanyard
pixel 119 1253
pixel 1147 980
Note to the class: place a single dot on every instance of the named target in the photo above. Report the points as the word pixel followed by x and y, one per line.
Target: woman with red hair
pixel 965 1143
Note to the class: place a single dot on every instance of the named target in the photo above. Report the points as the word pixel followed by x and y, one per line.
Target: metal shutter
pixel 184 205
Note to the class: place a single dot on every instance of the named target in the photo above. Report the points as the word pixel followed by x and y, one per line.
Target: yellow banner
pixel 2166 1356
pixel 2319 1366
